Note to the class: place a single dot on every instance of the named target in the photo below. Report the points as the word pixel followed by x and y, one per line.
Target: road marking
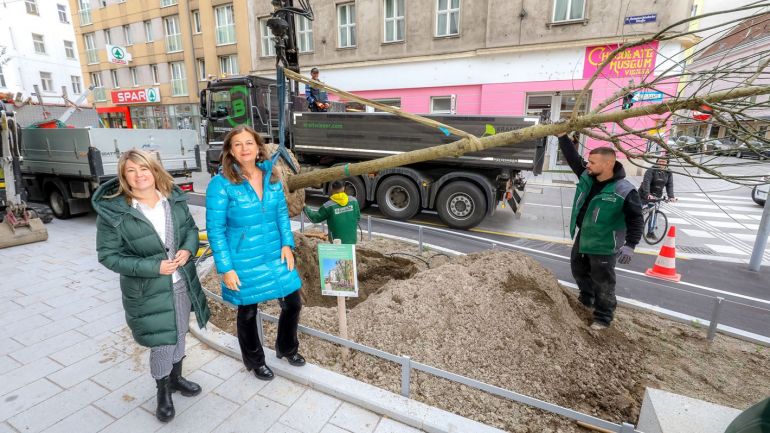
pixel 726 249
pixel 700 194
pixel 720 201
pixel 678 221
pixel 732 225
pixel 720 215
pixel 547 205
pixel 698 233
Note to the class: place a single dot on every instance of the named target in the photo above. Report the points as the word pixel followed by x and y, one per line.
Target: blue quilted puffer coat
pixel 247 234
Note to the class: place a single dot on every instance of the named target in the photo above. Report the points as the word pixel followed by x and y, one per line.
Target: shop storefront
pixel 141 108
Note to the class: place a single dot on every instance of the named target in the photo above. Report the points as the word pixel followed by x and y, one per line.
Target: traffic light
pixel 628 101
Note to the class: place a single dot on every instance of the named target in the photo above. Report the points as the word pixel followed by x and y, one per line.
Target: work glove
pixel 624 255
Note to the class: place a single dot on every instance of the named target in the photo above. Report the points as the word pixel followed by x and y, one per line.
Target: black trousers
pixel 595 278
pixel 286 342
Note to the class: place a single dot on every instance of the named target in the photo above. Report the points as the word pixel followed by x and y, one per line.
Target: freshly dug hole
pixel 501 318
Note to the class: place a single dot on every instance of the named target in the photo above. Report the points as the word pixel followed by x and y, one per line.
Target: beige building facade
pixel 166 51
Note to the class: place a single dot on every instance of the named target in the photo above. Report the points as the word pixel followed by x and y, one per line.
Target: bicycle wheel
pixel 655 233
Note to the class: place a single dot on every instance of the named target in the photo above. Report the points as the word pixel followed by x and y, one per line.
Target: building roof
pixel 747 31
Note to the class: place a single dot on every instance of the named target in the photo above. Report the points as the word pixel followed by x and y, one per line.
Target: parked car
pixel 759 193
pixel 689 144
pixel 752 149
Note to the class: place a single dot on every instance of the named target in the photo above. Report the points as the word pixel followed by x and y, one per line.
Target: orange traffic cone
pixel 665 264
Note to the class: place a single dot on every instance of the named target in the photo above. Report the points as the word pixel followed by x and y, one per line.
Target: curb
pixel 385 403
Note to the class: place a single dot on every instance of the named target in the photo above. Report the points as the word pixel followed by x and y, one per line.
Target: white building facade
pixel 40 49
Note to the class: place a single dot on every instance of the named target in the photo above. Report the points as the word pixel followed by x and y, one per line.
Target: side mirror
pixel 204 103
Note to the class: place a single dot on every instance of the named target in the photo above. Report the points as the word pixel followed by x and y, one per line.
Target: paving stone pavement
pixel 69 364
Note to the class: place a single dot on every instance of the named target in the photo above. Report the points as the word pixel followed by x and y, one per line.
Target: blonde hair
pixel 228 160
pixel 163 181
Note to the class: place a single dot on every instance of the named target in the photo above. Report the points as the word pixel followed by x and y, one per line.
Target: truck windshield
pixel 220 104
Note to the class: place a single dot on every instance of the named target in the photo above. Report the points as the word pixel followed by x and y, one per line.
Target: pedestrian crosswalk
pixel 726 225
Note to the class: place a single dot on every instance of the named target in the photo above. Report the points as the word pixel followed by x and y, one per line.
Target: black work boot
pixel 179 383
pixel 165 411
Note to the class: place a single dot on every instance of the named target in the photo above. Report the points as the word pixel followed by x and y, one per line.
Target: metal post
pixel 761 242
pixel 260 329
pixel 406 373
pixel 302 222
pixel 715 318
pixel 369 225
pixel 419 237
pixel 494 245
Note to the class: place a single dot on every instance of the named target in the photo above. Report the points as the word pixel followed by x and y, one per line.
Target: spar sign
pixel 118 55
pixel 632 62
pixel 150 95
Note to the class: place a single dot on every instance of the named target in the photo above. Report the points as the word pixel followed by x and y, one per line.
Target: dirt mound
pixel 501 318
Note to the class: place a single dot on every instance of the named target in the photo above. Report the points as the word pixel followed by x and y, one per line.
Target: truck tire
pixel 354 187
pixel 58 203
pixel 398 198
pixel 41 211
pixel 461 205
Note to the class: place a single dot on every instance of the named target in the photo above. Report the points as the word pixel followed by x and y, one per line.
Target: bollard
pixel 260 330
pixel 302 222
pixel 419 237
pixel 494 245
pixel 406 372
pixel 715 318
pixel 369 225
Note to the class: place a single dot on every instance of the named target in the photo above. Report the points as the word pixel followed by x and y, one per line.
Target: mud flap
pixel 516 198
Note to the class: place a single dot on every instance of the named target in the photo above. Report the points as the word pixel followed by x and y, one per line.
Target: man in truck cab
pixel 607 216
pixel 341 213
pixel 316 98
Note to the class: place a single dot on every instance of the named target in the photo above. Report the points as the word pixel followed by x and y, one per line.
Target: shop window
pixel 441 105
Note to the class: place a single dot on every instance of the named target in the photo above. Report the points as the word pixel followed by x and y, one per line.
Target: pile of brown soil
pixel 501 318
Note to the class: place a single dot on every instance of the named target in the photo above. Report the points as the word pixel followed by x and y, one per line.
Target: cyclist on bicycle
pixel 655 179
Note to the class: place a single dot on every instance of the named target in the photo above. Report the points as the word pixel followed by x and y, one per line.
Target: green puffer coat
pixel 128 244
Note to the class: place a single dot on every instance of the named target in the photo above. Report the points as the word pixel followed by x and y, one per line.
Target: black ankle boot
pixel 179 383
pixel 165 411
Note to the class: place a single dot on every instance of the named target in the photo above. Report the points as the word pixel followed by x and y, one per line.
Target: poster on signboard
pixel 339 276
pixel 636 61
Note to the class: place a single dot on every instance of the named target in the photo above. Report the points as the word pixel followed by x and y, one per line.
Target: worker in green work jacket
pixel 341 213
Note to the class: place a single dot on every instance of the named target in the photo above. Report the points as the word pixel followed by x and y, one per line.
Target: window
pixel 395 103
pixel 305 34
pixel 115 81
pixel 394 20
pixel 96 79
pixel 201 65
pixel 31 7
pixel 228 65
pixel 127 35
pixel 448 18
pixel 134 79
pixel 46 81
pixel 164 3
pixel 268 49
pixel 2 77
pixel 62 13
pixel 154 73
pixel 69 49
pixel 346 19
pixel 85 12
pixel 77 87
pixel 568 10
pixel 148 31
pixel 39 43
pixel 107 37
pixel 173 34
pixel 178 81
pixel 196 21
pixel 225 24
pixel 91 52
pixel 441 105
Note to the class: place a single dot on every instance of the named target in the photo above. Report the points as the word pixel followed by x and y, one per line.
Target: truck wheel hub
pixel 460 206
pixel 397 198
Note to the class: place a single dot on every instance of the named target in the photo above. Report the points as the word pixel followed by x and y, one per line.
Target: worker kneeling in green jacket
pixel 341 213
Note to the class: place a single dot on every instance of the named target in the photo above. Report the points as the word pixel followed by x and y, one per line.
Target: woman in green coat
pixel 146 234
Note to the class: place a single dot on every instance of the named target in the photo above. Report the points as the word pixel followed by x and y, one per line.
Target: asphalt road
pixel 746 293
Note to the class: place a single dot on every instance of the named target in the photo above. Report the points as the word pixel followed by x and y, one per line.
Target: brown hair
pixel 604 151
pixel 163 181
pixel 228 160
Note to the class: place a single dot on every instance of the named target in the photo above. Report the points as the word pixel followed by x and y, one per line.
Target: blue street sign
pixel 641 19
pixel 653 96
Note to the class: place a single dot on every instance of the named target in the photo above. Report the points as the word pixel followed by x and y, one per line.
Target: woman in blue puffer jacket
pixel 250 233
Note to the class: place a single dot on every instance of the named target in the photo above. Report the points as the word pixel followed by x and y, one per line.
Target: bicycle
pixel 655 221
